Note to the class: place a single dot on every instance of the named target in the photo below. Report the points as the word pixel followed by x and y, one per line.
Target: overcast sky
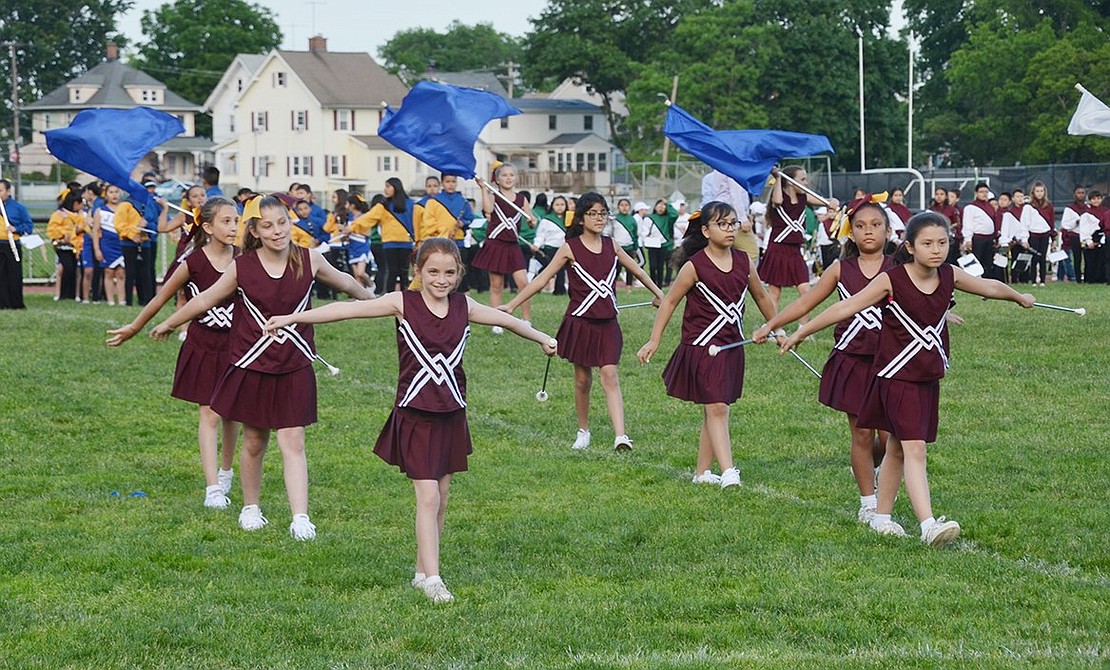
pixel 358 25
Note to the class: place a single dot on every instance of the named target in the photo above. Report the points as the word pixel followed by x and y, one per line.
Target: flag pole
pixel 10 234
pixel 798 184
pixel 498 194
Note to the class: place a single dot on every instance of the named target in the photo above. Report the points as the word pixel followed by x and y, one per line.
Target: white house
pixel 312 117
pixel 221 102
pixel 113 85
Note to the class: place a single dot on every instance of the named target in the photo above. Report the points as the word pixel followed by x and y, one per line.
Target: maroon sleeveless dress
pixel 847 373
pixel 782 263
pixel 426 435
pixel 202 359
pixel 714 314
pixel 589 335
pixel 270 382
pixel 500 252
pixel 903 396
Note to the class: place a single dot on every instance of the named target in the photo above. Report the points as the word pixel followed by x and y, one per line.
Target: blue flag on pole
pixel 745 155
pixel 108 143
pixel 439 124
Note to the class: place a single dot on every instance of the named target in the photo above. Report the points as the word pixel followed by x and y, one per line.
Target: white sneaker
pixel 225 477
pixel 622 443
pixel 302 529
pixel 418 581
pixel 887 527
pixel 707 477
pixel 941 533
pixel 250 518
pixel 497 330
pixel 214 497
pixel 730 477
pixel 582 441
pixel 435 589
pixel 865 514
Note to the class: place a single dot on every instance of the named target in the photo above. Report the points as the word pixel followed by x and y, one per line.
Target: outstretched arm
pixel 340 281
pixel 800 307
pixel 989 288
pixel 216 293
pixel 638 272
pixel 390 304
pixel 488 316
pixel 561 258
pixel 685 281
pixel 878 289
pixel 174 284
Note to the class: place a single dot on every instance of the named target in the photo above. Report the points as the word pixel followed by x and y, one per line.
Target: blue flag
pixel 108 143
pixel 439 124
pixel 745 155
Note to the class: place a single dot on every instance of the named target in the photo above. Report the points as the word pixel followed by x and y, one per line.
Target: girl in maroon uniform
pixel 426 435
pixel 912 353
pixel 714 278
pixel 782 264
pixel 589 336
pixel 847 371
pixel 269 384
pixel 500 254
pixel 201 361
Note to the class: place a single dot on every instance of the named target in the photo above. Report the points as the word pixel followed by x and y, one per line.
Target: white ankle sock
pixel 215 488
pixel 927 524
pixel 880 518
pixel 419 576
pixel 870 502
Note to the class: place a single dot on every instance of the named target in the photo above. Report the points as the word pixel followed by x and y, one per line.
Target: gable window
pixel 279 80
pixel 75 95
pixel 231 122
pixel 150 95
pixel 299 119
pixel 239 84
pixel 552 122
pixel 588 122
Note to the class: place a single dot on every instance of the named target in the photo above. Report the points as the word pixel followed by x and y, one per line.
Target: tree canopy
pixel 190 43
pixel 56 41
pixel 461 47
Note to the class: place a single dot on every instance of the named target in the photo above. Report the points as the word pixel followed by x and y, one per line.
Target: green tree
pixel 601 43
pixel 55 43
pixel 461 47
pixel 190 43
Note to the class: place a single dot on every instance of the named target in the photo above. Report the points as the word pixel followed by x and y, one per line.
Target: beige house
pixel 114 85
pixel 312 117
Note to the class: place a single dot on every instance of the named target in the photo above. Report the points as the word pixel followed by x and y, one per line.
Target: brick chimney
pixel 318 44
pixel 111 51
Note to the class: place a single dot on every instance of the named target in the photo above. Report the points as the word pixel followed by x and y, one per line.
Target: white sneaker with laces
pixel 941 533
pixel 214 497
pixel 250 518
pixel 865 514
pixel 622 443
pixel 225 477
pixel 302 529
pixel 887 527
pixel 435 589
pixel 418 581
pixel 497 330
pixel 707 477
pixel 582 441
pixel 730 477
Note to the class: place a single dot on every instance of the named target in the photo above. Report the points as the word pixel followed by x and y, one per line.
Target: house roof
pixel 570 138
pixel 548 105
pixel 111 77
pixel 374 142
pixel 486 81
pixel 250 62
pixel 351 80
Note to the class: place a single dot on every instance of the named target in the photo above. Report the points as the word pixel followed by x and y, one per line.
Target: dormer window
pixel 279 80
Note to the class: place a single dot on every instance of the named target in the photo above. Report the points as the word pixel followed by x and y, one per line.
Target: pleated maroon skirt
pixel 201 363
pixel 425 445
pixel 590 342
pixel 907 410
pixel 844 381
pixel 692 374
pixel 783 265
pixel 266 400
pixel 499 257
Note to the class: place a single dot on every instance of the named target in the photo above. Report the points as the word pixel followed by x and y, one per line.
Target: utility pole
pixel 511 77
pixel 15 125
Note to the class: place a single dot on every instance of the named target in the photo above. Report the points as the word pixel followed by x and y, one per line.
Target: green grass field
pixel 558 559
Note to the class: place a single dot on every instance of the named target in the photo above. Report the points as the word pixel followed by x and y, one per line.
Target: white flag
pixel 1092 117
